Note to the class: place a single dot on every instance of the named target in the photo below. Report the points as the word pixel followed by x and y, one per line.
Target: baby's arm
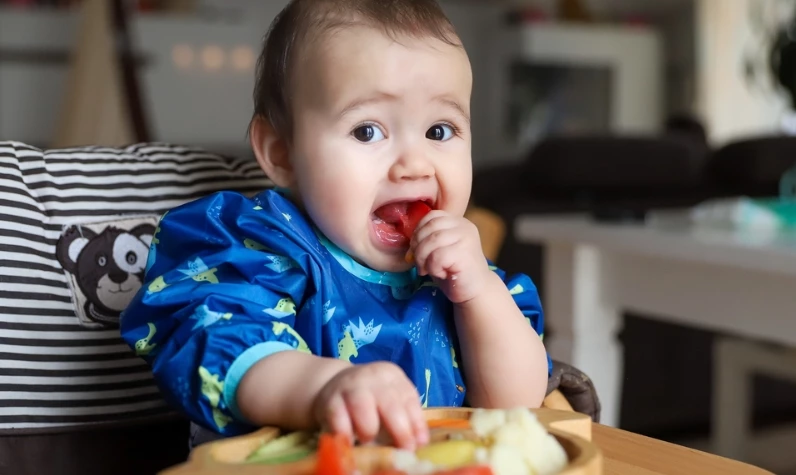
pixel 214 303
pixel 505 362
pixel 281 389
pixel 299 391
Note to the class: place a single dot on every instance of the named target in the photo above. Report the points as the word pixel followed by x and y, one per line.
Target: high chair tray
pixel 227 456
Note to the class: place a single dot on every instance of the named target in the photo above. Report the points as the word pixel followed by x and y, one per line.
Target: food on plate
pixel 507 442
pixel 475 470
pixel 515 442
pixel 449 453
pixel 491 442
pixel 335 455
pixel 285 449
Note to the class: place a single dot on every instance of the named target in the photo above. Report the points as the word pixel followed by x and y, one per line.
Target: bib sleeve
pixel 217 297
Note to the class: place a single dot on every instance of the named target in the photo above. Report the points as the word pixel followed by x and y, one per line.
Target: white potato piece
pixel 517 443
pixel 486 421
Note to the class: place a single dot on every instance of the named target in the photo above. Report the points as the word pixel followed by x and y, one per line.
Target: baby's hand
pixel 448 248
pixel 360 400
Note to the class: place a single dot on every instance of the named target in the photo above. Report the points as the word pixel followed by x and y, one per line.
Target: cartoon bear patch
pixel 105 266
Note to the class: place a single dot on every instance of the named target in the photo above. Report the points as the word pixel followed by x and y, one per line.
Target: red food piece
pixel 415 212
pixel 335 456
pixel 403 216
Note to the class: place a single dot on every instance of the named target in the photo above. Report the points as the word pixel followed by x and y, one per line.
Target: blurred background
pixel 611 112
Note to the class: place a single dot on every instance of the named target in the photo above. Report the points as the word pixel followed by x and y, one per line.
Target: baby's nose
pixel 412 166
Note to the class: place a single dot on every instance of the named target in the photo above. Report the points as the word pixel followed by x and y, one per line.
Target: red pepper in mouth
pixel 415 212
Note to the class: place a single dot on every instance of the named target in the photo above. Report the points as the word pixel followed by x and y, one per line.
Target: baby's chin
pixel 384 262
pixel 379 259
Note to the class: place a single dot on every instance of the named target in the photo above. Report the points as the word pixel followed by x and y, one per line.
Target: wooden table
pixel 626 453
pixel 623 453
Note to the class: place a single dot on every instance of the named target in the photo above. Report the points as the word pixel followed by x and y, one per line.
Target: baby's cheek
pixel 335 221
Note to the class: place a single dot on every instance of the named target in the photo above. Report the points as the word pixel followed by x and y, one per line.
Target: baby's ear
pixel 272 152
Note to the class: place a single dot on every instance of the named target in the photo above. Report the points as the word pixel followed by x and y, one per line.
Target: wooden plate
pixel 228 456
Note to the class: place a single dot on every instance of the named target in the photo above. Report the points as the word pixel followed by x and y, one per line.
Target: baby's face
pixel 377 122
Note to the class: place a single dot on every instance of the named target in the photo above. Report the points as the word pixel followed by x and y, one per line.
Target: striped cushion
pixel 60 364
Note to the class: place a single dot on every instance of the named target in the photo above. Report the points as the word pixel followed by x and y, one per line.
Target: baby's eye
pixel 368 133
pixel 441 132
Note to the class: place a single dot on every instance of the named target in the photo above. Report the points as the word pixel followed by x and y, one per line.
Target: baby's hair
pixel 303 21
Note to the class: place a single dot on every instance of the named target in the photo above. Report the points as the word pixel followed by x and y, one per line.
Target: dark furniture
pixel 619 178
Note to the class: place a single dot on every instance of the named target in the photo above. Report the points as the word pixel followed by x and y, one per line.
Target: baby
pixel 306 306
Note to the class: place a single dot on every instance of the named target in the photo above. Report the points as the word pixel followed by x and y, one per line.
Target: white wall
pixel 200 107
pixel 730 107
pixel 184 105
pixel 190 105
pixel 31 95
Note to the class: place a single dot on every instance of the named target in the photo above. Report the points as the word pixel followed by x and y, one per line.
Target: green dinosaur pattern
pixel 428 386
pixel 284 308
pixel 220 418
pixel 286 305
pixel 207 276
pixel 346 348
pixel 142 346
pixel 280 327
pixel 254 245
pixel 213 389
pixel 157 285
pixel 453 358
pixel 155 239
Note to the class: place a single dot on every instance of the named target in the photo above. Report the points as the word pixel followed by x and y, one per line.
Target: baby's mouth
pixel 395 222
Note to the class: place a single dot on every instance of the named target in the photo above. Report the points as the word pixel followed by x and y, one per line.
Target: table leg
pixel 732 399
pixel 735 361
pixel 581 313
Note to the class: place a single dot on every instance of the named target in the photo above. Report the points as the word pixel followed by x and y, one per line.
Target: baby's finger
pixel 361 405
pixel 443 263
pixel 336 418
pixel 396 421
pixel 417 421
pixel 407 395
pixel 435 252
pixel 432 222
